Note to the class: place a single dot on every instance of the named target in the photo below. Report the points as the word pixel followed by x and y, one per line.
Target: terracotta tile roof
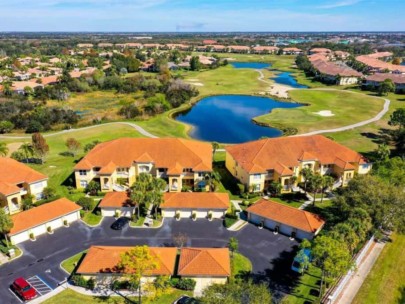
pixel 379 64
pixel 7 188
pixel 307 156
pixel 330 68
pixel 165 152
pixel 265 48
pixel 39 215
pixel 320 50
pixel 49 80
pixel 209 41
pixel 287 215
pixel 292 49
pixel 108 169
pixel 380 55
pixel 105 259
pixel 380 77
pixel 116 200
pixel 205 262
pixel 343 164
pixel 175 169
pixel 195 200
pixel 239 47
pixel 20 85
pixel 14 172
pixel 267 153
pixel 283 170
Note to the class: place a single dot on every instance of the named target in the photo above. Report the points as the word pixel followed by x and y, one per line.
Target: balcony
pixel 23 191
pixel 122 174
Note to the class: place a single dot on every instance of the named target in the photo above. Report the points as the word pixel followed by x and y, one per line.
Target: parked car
pixel 23 289
pixel 120 223
pixel 301 260
pixel 186 300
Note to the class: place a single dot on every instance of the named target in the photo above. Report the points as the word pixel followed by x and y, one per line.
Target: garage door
pixel 107 212
pixel 39 230
pixel 169 213
pixel 186 214
pixel 20 237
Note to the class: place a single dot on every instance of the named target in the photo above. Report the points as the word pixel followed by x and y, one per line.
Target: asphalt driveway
pixel 271 255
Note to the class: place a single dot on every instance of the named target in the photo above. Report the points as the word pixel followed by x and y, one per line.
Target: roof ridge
pixel 181 140
pixel 188 264
pixel 265 141
pixel 306 217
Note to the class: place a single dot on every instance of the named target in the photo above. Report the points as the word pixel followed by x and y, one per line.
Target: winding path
pixel 340 129
pixel 135 126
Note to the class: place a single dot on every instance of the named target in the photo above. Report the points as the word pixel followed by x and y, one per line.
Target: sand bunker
pixel 279 90
pixel 198 84
pixel 192 80
pixel 325 113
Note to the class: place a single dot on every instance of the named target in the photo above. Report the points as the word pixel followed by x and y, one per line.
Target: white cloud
pixel 340 4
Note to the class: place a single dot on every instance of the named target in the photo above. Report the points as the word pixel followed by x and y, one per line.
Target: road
pixel 271 255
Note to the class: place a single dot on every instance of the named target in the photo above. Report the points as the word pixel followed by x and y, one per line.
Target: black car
pixel 120 223
pixel 185 300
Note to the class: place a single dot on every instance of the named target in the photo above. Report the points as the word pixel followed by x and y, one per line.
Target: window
pixel 83 183
pixel 365 166
pixel 200 174
pixel 256 187
pixel 270 173
pixel 38 196
pixel 82 172
pixel 187 170
pixel 256 176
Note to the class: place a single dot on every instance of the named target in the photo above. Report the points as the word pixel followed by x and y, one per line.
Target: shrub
pixel 65 222
pixel 92 188
pixel 91 284
pixel 49 229
pixel 194 215
pixel 210 215
pixel 82 213
pixel 48 193
pixel 32 236
pixel 117 285
pixel 186 284
pixel 174 281
pixel 177 215
pixel 241 188
pixel 78 280
pixel 117 213
pixel 86 203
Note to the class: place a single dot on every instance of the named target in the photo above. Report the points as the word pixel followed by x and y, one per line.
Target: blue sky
pixel 202 15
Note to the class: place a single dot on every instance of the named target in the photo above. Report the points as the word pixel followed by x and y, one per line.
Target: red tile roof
pixel 195 200
pixel 105 259
pixel 265 154
pixel 379 64
pixel 170 153
pixel 14 172
pixel 42 214
pixel 204 262
pixel 380 77
pixel 287 215
pixel 116 200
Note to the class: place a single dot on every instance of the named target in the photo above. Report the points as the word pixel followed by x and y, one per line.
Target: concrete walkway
pixel 135 126
pixel 353 286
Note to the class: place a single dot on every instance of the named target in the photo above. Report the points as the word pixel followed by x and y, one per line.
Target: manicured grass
pixel 347 107
pixel 70 264
pixel 69 296
pixel 228 222
pixel 138 223
pixel 307 288
pixel 386 281
pixel 240 266
pixel 91 218
pixel 290 199
pixel 59 168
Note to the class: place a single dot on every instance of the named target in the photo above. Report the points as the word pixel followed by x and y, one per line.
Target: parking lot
pixel 41 287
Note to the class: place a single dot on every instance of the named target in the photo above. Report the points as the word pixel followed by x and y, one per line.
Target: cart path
pixel 135 126
pixel 344 128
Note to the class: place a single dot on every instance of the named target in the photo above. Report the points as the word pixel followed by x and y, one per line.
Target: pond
pixel 286 79
pixel 250 65
pixel 228 118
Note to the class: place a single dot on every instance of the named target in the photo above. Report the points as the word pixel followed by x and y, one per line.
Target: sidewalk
pixel 353 286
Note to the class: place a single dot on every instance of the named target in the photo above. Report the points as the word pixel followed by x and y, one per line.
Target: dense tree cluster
pixel 33 116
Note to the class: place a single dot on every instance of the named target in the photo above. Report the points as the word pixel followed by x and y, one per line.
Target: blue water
pixel 227 118
pixel 403 63
pixel 250 65
pixel 287 79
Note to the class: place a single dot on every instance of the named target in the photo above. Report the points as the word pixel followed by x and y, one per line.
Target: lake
pixel 250 65
pixel 286 79
pixel 228 118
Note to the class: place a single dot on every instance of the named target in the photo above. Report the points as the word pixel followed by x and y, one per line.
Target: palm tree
pixel 316 183
pixel 327 182
pixel 213 180
pixel 27 150
pixel 3 149
pixel 306 174
pixel 156 195
pixel 215 147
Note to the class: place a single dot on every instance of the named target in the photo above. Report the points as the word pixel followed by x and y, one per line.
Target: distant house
pixel 102 263
pixel 19 87
pixel 239 49
pixel 209 41
pixel 292 51
pixel 18 181
pixel 265 49
pixel 206 266
pixel 201 203
pixel 284 219
pixel 85 45
pixel 320 51
pixel 42 219
pixel 105 45
pixel 257 164
pixel 375 65
pixel 374 81
pixel 180 162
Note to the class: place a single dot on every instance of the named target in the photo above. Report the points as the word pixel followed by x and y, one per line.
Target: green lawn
pixel 240 266
pixel 70 264
pixel 347 107
pixel 307 288
pixel 290 199
pixel 91 218
pixel 386 281
pixel 69 296
pixel 59 168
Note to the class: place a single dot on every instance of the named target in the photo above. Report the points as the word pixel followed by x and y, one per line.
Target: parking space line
pixel 21 301
pixel 39 285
